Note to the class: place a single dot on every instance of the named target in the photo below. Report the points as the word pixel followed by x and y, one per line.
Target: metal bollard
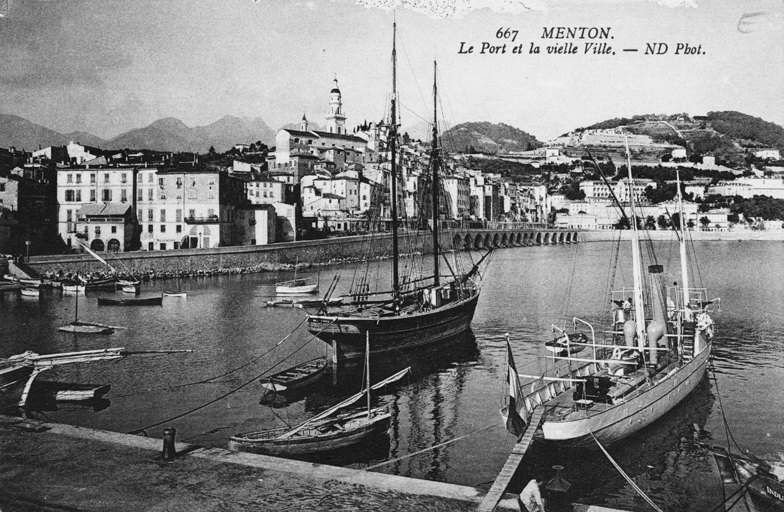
pixel 169 451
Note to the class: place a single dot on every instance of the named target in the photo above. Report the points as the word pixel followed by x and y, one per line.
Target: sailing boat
pixel 78 327
pixel 657 354
pixel 298 285
pixel 419 311
pixel 100 283
pixel 324 433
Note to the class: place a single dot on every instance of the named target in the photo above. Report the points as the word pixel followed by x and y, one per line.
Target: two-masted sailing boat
pixel 655 354
pixel 417 311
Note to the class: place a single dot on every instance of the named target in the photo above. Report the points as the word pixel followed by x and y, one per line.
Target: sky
pixel 107 66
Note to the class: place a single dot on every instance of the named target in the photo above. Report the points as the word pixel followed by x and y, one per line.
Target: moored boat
pixel 650 360
pixel 174 293
pixel 323 432
pixel 297 377
pixel 139 301
pixel 297 286
pixel 418 309
pixel 130 288
pixel 73 286
pixel 87 328
pixel 30 292
pixel 764 478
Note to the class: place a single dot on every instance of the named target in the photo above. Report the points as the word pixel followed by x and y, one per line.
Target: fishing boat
pixel 654 354
pixel 71 392
pixel 296 377
pixel 417 309
pixel 323 433
pixel 140 301
pixel 304 303
pixel 297 286
pixel 30 292
pixel 130 288
pixel 77 327
pixel 174 293
pixel 30 283
pixel 18 372
pixel 128 282
pixel 73 286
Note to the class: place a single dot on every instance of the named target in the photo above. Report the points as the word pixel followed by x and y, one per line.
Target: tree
pixel 650 223
pixel 663 222
pixel 689 224
pixel 704 221
pixel 212 150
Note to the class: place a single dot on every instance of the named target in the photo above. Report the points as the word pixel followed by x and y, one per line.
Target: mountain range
pixel 167 134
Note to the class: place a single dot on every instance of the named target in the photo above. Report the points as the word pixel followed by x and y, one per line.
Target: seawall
pixel 612 235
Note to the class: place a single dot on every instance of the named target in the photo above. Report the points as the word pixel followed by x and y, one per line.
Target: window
pixel 68 215
pixel 149 178
pixel 139 215
pixel 106 177
pixel 92 195
pixel 210 194
pixel 114 229
pixel 163 194
pixel 2 187
pixel 124 178
pixel 163 246
pixel 179 183
pixel 151 246
pixel 163 215
pixel 69 178
pixel 97 231
pixel 160 182
pixel 163 228
pixel 191 213
pixel 79 178
pixel 149 228
pixel 69 195
pixel 211 180
pixel 210 213
pixel 107 194
pixel 149 194
pixel 149 215
pixel 178 229
pixel 178 215
pixel 78 195
pixel 140 195
pixel 176 245
pixel 123 195
pixel 92 178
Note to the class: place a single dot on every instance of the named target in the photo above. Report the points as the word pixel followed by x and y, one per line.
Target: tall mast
pixel 684 269
pixel 639 313
pixel 393 170
pixel 434 163
pixel 367 368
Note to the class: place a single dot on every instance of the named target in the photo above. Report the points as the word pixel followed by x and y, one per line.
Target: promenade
pixel 55 467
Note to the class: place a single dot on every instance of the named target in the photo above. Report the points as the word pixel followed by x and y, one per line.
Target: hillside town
pixel 315 183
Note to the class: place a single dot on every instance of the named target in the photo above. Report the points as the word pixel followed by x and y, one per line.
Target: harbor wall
pixel 272 257
pixel 611 235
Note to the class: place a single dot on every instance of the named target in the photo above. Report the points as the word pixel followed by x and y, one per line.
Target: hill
pixel 487 138
pixel 86 138
pixel 171 134
pixel 23 134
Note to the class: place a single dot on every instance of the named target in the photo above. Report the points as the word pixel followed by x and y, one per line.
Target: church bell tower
pixel 336 121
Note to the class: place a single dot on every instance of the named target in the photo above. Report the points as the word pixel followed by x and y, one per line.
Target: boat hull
pixel 12 383
pixel 296 290
pixel 623 420
pixel 296 377
pixel 309 445
pixel 147 301
pixel 393 333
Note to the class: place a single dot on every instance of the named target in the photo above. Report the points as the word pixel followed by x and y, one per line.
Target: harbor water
pixel 453 395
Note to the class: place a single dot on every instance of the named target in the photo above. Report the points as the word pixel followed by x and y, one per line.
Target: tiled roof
pixel 103 209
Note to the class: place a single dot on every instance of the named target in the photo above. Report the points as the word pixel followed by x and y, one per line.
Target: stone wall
pixel 244 258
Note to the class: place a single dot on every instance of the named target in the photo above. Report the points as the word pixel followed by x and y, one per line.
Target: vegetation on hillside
pixel 488 138
pixel 747 128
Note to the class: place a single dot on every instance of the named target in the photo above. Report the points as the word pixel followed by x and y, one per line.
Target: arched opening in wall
pixel 575 237
pixel 546 238
pixel 469 242
pixel 457 242
pixel 561 238
pixel 113 245
pixel 526 238
pixel 568 238
pixel 478 242
pixel 518 238
pixel 496 240
pixel 97 245
pixel 487 241
pixel 185 242
pixel 538 239
pixel 505 240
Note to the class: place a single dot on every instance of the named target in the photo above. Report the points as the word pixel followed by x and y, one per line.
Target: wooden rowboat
pixel 296 377
pixel 31 292
pixel 141 301
pixel 171 293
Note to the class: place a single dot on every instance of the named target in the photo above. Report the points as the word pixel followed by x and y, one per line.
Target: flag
pixel 514 422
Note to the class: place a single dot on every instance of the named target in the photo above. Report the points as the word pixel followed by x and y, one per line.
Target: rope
pixel 628 479
pixel 229 393
pixel 721 506
pixel 215 377
pixel 427 449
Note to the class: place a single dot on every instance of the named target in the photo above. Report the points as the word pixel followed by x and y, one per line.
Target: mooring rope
pixel 627 477
pixel 229 393
pixel 427 449
pixel 215 377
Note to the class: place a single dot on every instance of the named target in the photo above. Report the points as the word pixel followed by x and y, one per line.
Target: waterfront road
pixel 55 467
